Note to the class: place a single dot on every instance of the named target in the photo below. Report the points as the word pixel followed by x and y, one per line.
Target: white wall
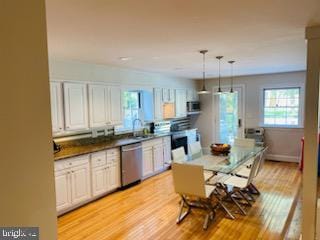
pixel 73 70
pixel 284 143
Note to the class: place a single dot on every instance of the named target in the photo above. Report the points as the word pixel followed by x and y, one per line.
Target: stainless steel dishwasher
pixel 131 164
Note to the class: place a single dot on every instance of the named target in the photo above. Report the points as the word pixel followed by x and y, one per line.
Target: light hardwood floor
pixel 149 211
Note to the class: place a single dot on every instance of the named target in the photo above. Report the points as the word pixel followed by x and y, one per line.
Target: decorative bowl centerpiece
pixel 220 148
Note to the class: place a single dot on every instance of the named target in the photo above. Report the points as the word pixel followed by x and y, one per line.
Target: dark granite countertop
pixel 68 151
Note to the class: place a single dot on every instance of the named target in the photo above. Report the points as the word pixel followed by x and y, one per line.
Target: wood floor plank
pixel 149 211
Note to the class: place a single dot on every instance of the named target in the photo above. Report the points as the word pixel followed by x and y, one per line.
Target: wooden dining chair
pixel 189 183
pixel 244 142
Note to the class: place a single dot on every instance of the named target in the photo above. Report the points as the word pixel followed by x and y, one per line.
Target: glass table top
pixel 226 164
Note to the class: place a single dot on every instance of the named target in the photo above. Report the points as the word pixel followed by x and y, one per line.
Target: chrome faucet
pixel 133 124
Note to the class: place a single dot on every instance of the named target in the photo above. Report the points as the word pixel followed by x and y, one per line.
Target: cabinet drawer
pixel 152 143
pixel 98 159
pixel 166 140
pixel 113 160
pixel 71 162
pixel 113 152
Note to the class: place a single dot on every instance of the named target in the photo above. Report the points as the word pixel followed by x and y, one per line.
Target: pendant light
pixel 204 90
pixel 231 74
pixel 219 89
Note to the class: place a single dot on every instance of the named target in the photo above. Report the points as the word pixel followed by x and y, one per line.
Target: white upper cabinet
pixel 98 105
pixel 168 95
pixel 56 107
pixel 76 110
pixel 181 103
pixel 105 105
pixel 165 94
pixel 158 104
pixel 115 105
pixel 192 95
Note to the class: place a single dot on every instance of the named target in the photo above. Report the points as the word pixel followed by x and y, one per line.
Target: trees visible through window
pixel 281 106
pixel 131 108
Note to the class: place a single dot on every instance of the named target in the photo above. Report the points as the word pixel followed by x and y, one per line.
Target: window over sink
pixel 131 108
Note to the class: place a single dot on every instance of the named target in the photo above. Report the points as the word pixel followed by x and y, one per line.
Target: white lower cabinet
pixel 84 178
pixel 147 163
pixel 167 150
pixel 155 154
pixel 63 194
pixel 80 183
pixel 99 181
pixel 105 171
pixel 72 180
pixel 158 163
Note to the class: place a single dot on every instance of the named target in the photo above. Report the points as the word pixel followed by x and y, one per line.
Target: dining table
pixel 228 163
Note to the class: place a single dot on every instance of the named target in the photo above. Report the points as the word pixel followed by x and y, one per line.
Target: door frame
pixel 214 107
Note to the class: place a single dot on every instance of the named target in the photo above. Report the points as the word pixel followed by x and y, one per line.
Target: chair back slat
pixel 188 179
pixel 262 159
pixel 178 154
pixel 195 150
pixel 244 142
pixel 254 169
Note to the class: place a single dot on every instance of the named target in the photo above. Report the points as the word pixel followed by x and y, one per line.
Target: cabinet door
pixel 181 103
pixel 195 95
pixel 158 104
pixel 171 95
pixel 113 175
pixel 147 166
pixel 76 110
pixel 99 180
pixel 98 105
pixel 80 183
pixel 190 95
pixel 63 189
pixel 115 105
pixel 167 150
pixel 166 94
pixel 56 107
pixel 158 157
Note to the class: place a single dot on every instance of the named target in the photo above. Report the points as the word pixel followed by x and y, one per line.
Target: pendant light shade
pixel 231 75
pixel 219 89
pixel 204 90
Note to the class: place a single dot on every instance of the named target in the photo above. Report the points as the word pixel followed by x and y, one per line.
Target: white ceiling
pixel 165 35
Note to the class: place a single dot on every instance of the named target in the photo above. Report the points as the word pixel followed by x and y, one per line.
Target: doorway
pixel 228 114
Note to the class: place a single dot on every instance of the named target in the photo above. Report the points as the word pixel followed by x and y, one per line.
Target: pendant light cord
pixel 219 58
pixel 231 87
pixel 204 67
pixel 219 74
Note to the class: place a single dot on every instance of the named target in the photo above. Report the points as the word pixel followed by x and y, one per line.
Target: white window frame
pixel 121 129
pixel 282 86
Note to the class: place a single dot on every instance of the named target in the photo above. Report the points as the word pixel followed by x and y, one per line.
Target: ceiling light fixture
pixel 219 89
pixel 204 90
pixel 125 58
pixel 231 75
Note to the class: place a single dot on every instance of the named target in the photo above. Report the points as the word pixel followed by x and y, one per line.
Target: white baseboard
pixel 283 158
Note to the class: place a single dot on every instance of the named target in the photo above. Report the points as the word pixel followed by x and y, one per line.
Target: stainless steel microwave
pixel 193 106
